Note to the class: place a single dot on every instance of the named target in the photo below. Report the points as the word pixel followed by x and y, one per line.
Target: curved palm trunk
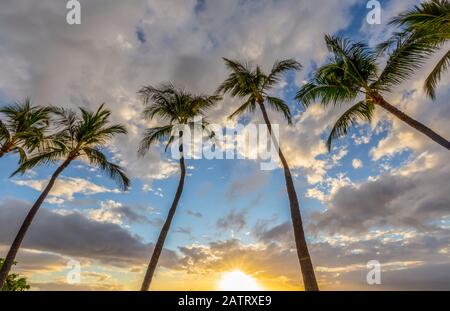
pixel 379 100
pixel 309 277
pixel 10 257
pixel 165 229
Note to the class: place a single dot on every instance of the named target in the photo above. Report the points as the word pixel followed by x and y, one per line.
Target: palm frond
pixel 153 135
pixel 363 110
pixel 356 59
pixel 24 125
pixel 435 75
pixel 22 153
pixel 240 82
pixel 428 14
pixel 158 101
pixel 94 128
pixel 249 106
pixel 66 122
pixel 279 105
pixel 254 84
pixel 43 158
pixel 279 68
pixel 4 132
pixel 174 105
pixel 18 111
pixel 103 135
pixel 348 73
pixel 114 171
pixel 329 93
pixel 200 104
pixel 404 61
pixel 30 139
pixel 423 31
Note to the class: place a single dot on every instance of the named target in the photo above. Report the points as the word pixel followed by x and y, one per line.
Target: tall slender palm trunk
pixel 380 101
pixel 11 256
pixel 165 229
pixel 309 277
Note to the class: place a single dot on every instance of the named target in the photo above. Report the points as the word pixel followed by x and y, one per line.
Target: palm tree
pixel 23 128
pixel 178 108
pixel 424 30
pixel 352 75
pixel 79 137
pixel 253 85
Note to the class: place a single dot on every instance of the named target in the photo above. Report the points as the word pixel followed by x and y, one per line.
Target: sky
pixel 382 193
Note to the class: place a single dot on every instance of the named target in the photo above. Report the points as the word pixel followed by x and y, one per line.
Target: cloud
pixel 278 233
pixel 392 199
pixel 76 236
pixel 117 213
pixel 341 264
pixel 65 188
pixel 271 265
pixel 184 230
pixel 325 189
pixel 234 219
pixel 157 192
pixel 194 214
pixel 357 164
pixel 151 42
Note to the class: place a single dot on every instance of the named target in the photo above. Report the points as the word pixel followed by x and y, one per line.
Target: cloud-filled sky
pixel 381 194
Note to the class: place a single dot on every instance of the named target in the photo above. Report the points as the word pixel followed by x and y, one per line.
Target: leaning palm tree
pixel 253 85
pixel 425 29
pixel 352 75
pixel 178 108
pixel 23 128
pixel 78 137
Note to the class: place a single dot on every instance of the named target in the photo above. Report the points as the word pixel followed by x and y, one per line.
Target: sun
pixel 238 281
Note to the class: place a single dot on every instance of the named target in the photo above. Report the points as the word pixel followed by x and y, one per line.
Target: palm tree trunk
pixel 10 257
pixel 309 277
pixel 165 229
pixel 379 100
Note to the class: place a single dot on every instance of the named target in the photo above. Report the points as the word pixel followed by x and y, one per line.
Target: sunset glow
pixel 238 281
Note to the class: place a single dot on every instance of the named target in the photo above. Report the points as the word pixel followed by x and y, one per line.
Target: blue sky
pixel 225 202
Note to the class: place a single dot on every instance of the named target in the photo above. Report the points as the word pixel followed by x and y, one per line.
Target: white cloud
pixel 109 64
pixel 65 188
pixel 357 164
pixel 107 212
pixel 147 188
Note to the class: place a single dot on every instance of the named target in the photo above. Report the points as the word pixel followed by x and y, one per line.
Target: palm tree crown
pixel 352 74
pixel 23 128
pixel 254 84
pixel 424 30
pixel 174 106
pixel 81 136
